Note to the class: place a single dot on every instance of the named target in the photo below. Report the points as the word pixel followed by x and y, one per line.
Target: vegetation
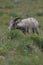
pixel 15 47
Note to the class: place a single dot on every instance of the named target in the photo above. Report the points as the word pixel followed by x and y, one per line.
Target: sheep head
pixel 13 23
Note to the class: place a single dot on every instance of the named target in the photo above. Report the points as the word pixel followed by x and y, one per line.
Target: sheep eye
pixel 13 24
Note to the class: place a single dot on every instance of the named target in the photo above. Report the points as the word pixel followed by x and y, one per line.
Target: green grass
pixel 15 47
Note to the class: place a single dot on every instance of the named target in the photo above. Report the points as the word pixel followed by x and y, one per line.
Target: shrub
pixel 24 48
pixel 38 41
pixel 2 51
pixel 15 34
pixel 40 14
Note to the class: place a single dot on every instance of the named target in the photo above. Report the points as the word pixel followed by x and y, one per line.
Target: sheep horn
pixel 17 18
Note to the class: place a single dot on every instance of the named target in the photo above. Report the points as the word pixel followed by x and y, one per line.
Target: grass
pixel 15 47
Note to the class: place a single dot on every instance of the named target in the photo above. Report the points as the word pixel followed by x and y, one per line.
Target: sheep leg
pixel 37 30
pixel 33 30
pixel 28 30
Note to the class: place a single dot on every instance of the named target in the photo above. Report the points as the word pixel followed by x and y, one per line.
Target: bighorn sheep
pixel 26 25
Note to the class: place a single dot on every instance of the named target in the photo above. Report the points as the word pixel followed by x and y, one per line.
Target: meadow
pixel 15 47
